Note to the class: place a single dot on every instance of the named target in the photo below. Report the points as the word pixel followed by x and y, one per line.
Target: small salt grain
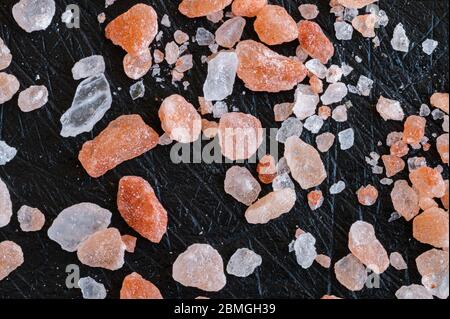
pixel 429 45
pixel 346 139
pixel 337 188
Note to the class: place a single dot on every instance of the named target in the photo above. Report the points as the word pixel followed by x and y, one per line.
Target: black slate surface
pixel 47 175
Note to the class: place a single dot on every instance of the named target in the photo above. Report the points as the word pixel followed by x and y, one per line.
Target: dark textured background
pixel 47 175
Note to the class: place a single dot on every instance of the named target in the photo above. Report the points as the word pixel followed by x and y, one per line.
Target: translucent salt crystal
pixel 316 84
pixel 346 138
pixel 416 162
pixel 350 14
pixel 9 85
pixel 215 16
pixel 445 124
pixel 396 260
pixel 137 90
pixel 308 11
pixel 358 59
pixel 75 223
pixel 240 184
pixel 305 250
pixel 386 181
pixel 282 181
pixel 165 139
pixel 172 52
pixel 283 167
pixel 92 100
pixel 219 109
pixel 291 127
pixel 390 109
pixel 400 41
pixel 230 32
pixel 393 138
pixel 313 124
pixel 431 227
pixel 101 18
pixel 5 205
pixel 424 110
pixel 346 69
pixel 437 114
pixel 365 24
pixel 413 292
pixel 34 15
pixel 305 101
pixel 324 141
pixel 337 188
pixel 340 113
pixel 317 68
pixel 87 67
pixel 271 206
pixel 394 216
pixel 301 54
pixel 334 74
pixel 203 37
pixel 165 21
pixel 367 195
pixel 344 31
pixel 109 3
pixel 11 258
pixel 91 289
pixel 200 266
pixel 334 93
pixel 136 66
pixel 352 89
pixel 5 55
pixel 351 273
pixel 214 48
pixel 33 98
pixel 30 219
pixel 221 76
pixel 243 262
pixel 429 45
pixel 180 37
pixel 282 111
pixel 364 85
pixel 7 153
pixel 377 170
pixel 184 63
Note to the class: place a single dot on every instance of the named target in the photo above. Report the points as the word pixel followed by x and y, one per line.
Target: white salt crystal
pixel 165 21
pixel 243 263
pixel 386 181
pixel 5 205
pixel 346 138
pixel 203 37
pixel 305 101
pixel 221 76
pixel 350 14
pixel 334 93
pixel 344 31
pixel 291 127
pixel 358 59
pixel 33 15
pixel 377 170
pixel 334 74
pixel 137 90
pixel 340 113
pixel 313 124
pixel 364 85
pixel 346 69
pixel 282 181
pixel 283 167
pixel 305 250
pixel 445 124
pixel 241 184
pixel 424 110
pixel 400 41
pixel 337 188
pixel 91 289
pixel 317 68
pixel 7 153
pixel 219 108
pixel 429 45
pixel 215 16
pixel 87 67
pixel 437 114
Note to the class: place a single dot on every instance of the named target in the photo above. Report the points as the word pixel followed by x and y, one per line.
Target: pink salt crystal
pixel 210 128
pixel 414 129
pixel 413 292
pixel 158 55
pixel 200 266
pixel 274 25
pixel 365 24
pixel 324 112
pixel 351 273
pixel 11 257
pixel 206 107
pixel 240 135
pixel 399 149
pixel 134 286
pixel 355 4
pixel 184 63
pixel 33 98
pixel 431 227
pixel 299 232
pixel 230 32
pixel 301 54
pixel 393 164
pixel 426 203
pixel 364 245
pixel 104 249
pixel 172 52
pixel 130 243
pixel 304 162
pixel 180 37
pixel 324 261
pixel 324 141
pixel 215 16
pixel 441 101
pixel 316 84
pixel 271 206
pixel 180 119
pixel 136 66
pixel 428 182
pixel 390 109
pixel 405 200
pixel 308 11
pixel 442 147
pixel 444 199
pixel 5 55
pixel 8 87
pixel 315 199
pixel 282 111
pixel 393 138
pixel 433 267
pixel 202 8
pixel 396 260
pixel 247 8
pixel 176 76
pixel 240 184
pixel 314 42
pixel 30 219
pixel 367 195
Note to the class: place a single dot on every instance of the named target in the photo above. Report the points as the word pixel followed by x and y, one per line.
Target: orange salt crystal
pixel 316 84
pixel 324 112
pixel 141 209
pixel 355 4
pixel 136 287
pixel 414 129
pixel 441 101
pixel 426 147
pixel 324 261
pixel 202 8
pixel 428 182
pixel 427 203
pixel 11 258
pixel 135 29
pixel 130 243
pixel 315 199
pixel 365 24
pixel 274 25
pixel 210 128
pixel 368 195
pixel 442 147
pixel 444 199
pixel 136 66
pixel 314 42
pixel 399 149
pixel 405 200
pixel 262 69
pixel 431 227
pixel 123 139
pixel 247 8
pixel 393 164
pixel 267 169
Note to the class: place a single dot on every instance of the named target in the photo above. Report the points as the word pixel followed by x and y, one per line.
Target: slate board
pixel 47 175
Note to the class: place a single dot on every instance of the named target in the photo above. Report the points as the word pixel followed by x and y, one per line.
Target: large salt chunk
pixel 91 289
pixel 240 184
pixel 390 109
pixel 291 127
pixel 344 31
pixel 11 257
pixel 346 138
pixel 351 273
pixel 305 250
pixel 400 41
pixel 5 205
pixel 9 85
pixel 5 55
pixel 433 267
pixel 413 292
pixel 7 153
pixel 230 32
pixel 200 266
pixel 305 101
pixel 75 223
pixel 243 262
pixel 87 67
pixel 221 76
pixel 271 206
pixel 92 100
pixel 334 93
pixel 34 15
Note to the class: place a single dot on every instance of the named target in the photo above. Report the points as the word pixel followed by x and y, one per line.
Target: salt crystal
pixel 165 139
pixel 5 205
pixel 172 52
pixel 33 98
pixel 334 74
pixel 9 85
pixel 337 188
pixel 87 67
pixel 136 66
pixel 324 261
pixel 221 76
pixel 437 114
pixel 291 127
pixel 240 184
pixel 305 250
pixel 203 37
pixel 5 55
pixel 180 37
pixel 130 243
pixel 274 25
pixel 393 137
pixel 429 45
pixel 92 100
pixel 433 267
pixel 75 223
pixel 377 170
pixel 219 109
pixel 364 85
pixel 91 289
pixel 367 195
pixel 390 109
pixel 137 90
pixel 334 93
pixel 305 101
pixel 317 68
pixel 346 138
pixel 283 167
pixel 350 14
pixel 344 31
pixel 413 292
pixel 431 227
pixel 313 124
pixel 308 11
pixel 340 113
pixel 184 63
pixel 243 263
pixel 416 162
pixel 358 59
pixel 376 42
pixel 324 141
pixel 346 69
pixel 7 153
pixel 396 260
pixel 394 216
pixel 271 206
pixel 351 273
pixel 315 199
pixel 101 18
pixel 33 15
pixel 134 286
pixel 165 21
pixel 11 257
pixel 230 32
pixel 424 110
pixel 386 181
pixel 282 111
pixel 301 54
pixel 30 219
pixel 215 16
pixel 445 124
pixel 400 41
pixel 365 24
pixel 282 181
